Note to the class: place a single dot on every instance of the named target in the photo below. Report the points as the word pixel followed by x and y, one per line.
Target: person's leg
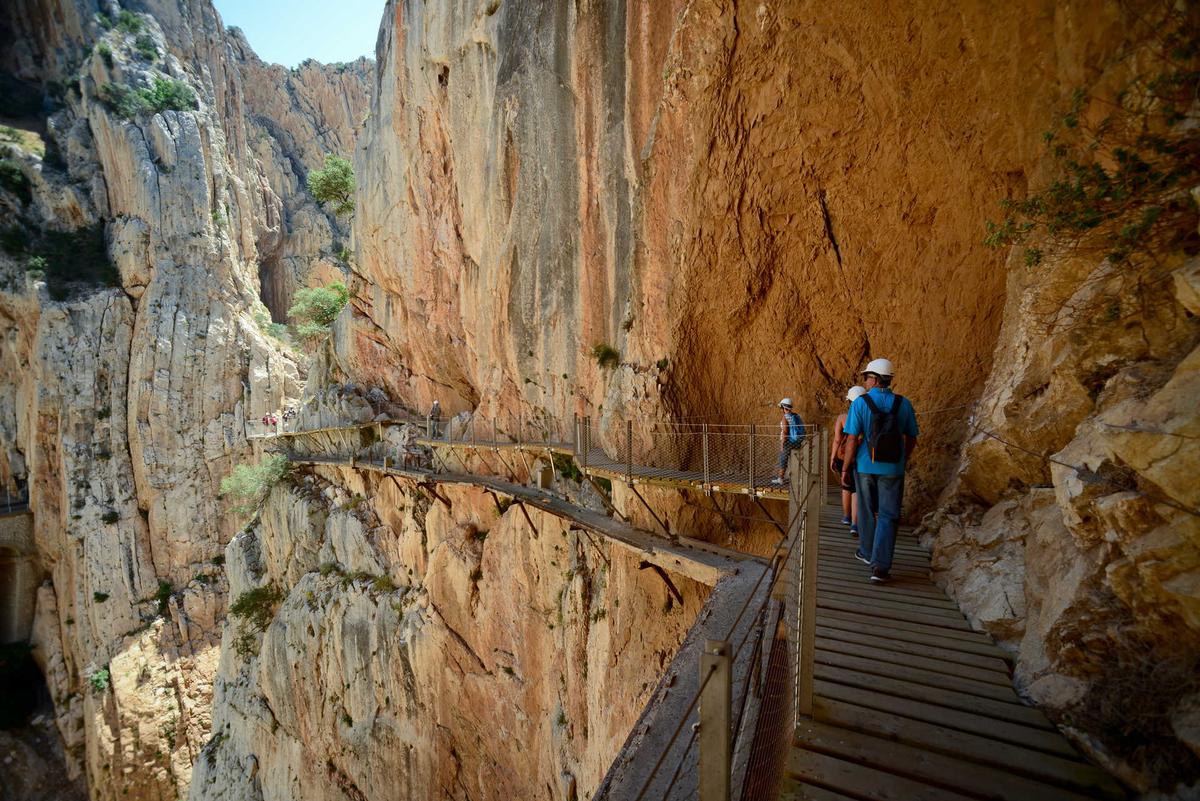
pixel 865 485
pixel 847 499
pixel 891 492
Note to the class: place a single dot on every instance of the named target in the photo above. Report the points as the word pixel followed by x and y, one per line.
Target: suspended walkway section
pixel 813 683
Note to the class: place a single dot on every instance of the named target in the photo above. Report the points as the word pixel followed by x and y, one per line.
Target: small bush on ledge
pixel 315 309
pixel 166 94
pixel 249 484
pixel 257 606
pixel 606 355
pixel 334 184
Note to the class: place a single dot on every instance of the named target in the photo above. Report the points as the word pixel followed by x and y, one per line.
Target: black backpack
pixel 884 439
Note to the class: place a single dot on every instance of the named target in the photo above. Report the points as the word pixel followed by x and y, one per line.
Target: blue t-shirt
pixel 858 424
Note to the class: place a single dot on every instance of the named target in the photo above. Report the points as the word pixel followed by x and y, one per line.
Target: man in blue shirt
pixel 879 449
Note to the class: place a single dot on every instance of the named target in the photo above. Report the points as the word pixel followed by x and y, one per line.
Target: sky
pixel 288 31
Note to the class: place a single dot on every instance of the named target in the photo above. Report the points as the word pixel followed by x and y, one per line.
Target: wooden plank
pixel 932 678
pixel 871 622
pixel 1066 771
pixel 845 550
pixel 794 790
pixel 857 568
pixel 928 766
pixel 953 650
pixel 882 611
pixel 889 590
pixel 862 782
pixel 910 658
pixel 856 578
pixel 951 699
pixel 1050 742
pixel 872 599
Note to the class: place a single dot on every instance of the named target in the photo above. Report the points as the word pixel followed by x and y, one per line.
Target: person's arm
pixel 853 430
pixel 782 432
pixel 910 430
pixel 839 438
pixel 849 452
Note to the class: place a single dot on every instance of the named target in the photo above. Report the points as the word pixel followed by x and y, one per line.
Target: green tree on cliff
pixel 334 184
pixel 315 309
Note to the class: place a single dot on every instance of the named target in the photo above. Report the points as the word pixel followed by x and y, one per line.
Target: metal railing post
pixel 750 483
pixel 587 441
pixel 704 451
pixel 716 716
pixel 809 544
pixel 629 451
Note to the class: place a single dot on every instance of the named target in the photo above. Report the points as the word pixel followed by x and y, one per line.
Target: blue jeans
pixel 879 499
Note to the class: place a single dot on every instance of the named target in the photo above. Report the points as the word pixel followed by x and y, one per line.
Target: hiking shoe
pixel 854 530
pixel 861 558
pixel 777 482
pixel 879 575
pixel 845 521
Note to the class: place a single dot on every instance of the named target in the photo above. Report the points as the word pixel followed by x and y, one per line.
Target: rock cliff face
pixel 124 407
pixel 748 201
pixel 419 650
pixel 744 200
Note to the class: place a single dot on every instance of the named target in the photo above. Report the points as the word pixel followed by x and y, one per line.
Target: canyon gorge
pixel 737 201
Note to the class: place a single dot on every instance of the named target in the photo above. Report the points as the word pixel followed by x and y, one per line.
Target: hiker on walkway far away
pixel 881 433
pixel 791 437
pixel 836 463
pixel 435 418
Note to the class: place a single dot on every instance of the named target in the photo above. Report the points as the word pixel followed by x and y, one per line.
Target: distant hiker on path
pixel 881 433
pixel 791 436
pixel 837 464
pixel 435 418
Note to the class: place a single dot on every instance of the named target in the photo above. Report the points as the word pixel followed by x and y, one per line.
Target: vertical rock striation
pixel 125 407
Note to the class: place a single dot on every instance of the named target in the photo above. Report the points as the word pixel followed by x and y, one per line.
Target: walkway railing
pixel 13 502
pixel 736 745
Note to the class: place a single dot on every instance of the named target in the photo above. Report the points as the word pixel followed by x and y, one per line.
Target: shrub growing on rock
pixel 334 184
pixel 315 309
pixel 145 47
pixel 249 484
pixel 14 180
pixel 165 94
pixel 606 355
pixel 257 606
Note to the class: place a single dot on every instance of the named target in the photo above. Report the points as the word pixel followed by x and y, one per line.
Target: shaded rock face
pixel 418 651
pixel 746 201
pixel 749 201
pixel 122 408
pixel 295 118
pixel 1086 563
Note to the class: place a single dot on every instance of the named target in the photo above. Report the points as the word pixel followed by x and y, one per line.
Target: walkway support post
pixel 750 483
pixel 587 441
pixel 809 544
pixel 716 700
pixel 704 451
pixel 629 452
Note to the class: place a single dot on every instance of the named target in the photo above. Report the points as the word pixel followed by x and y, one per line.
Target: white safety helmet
pixel 880 367
pixel 786 403
pixel 854 393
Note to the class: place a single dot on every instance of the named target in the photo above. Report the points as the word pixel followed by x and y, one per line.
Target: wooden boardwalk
pixel 911 703
pixel 600 465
